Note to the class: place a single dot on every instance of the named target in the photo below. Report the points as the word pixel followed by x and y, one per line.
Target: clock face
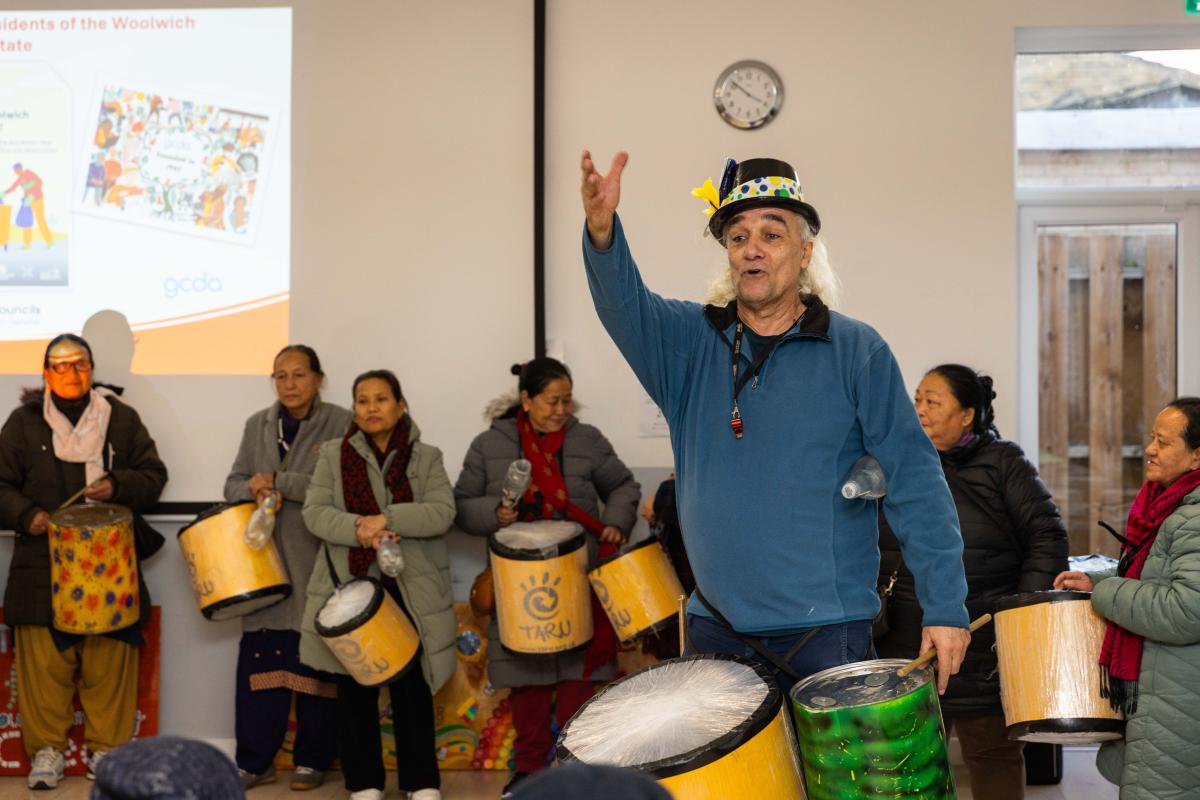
pixel 748 94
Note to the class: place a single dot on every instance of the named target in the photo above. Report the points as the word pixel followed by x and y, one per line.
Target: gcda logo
pixel 173 287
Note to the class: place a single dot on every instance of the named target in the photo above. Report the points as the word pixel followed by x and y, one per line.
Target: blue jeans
pixel 831 646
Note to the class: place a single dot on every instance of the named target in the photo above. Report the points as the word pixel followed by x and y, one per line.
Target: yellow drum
pixel 230 579
pixel 705 727
pixel 1048 645
pixel 93 569
pixel 638 589
pixel 543 602
pixel 368 632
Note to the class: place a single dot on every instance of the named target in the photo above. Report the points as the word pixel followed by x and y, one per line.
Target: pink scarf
pixel 82 443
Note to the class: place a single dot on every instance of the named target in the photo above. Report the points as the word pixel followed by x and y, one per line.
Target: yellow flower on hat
pixel 708 193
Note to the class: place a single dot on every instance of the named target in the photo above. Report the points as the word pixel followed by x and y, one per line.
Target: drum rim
pixel 849 669
pixel 212 512
pixel 1026 599
pixel 726 743
pixel 622 553
pixel 126 510
pixel 562 548
pixel 1066 726
pixel 359 618
pixel 209 610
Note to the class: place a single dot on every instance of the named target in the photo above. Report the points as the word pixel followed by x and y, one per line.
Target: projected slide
pixel 144 165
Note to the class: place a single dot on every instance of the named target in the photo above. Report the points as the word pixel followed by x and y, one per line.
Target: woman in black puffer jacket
pixel 1013 541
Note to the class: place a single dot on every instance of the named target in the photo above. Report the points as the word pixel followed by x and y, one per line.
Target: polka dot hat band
pixel 754 182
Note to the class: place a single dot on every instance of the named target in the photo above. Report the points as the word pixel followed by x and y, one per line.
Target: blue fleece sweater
pixel 774 546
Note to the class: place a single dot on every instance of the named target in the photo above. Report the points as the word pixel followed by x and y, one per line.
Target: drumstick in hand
pixel 71 500
pixel 931 653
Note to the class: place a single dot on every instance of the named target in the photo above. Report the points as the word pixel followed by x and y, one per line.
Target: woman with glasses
pixel 276 459
pixel 67 436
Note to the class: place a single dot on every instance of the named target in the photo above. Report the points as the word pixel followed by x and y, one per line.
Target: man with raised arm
pixel 771 399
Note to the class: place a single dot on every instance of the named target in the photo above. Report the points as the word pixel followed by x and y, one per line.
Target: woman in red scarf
pixel 379 482
pixel 578 471
pixel 1151 652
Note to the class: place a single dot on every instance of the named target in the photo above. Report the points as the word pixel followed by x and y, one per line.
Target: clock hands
pixel 737 85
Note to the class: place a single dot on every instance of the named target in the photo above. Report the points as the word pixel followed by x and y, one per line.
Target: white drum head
pixel 346 603
pixel 543 535
pixel 666 711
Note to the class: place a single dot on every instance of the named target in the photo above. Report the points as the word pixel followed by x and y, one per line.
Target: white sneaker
pixel 93 762
pixel 367 794
pixel 47 769
pixel 425 794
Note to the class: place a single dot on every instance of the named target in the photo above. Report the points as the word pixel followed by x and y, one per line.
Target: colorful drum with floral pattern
pixel 93 569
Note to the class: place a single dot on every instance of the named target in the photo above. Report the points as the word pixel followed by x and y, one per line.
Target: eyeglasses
pixel 63 367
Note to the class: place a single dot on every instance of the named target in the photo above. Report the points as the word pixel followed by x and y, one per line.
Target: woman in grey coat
pixel 542 422
pixel 1151 652
pixel 277 456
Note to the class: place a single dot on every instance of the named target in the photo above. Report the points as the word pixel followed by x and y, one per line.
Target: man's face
pixel 767 253
pixel 69 372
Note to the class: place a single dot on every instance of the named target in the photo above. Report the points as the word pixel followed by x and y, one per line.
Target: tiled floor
pixel 1082 783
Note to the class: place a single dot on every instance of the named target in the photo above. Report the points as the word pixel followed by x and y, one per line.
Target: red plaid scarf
pixel 356 486
pixel 546 498
pixel 1121 653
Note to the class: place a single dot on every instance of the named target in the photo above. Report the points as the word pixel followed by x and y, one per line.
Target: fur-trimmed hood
pixel 499 407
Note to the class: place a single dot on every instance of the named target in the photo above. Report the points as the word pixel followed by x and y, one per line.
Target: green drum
pixel 865 732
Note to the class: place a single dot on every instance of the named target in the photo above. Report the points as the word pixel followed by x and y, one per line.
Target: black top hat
pixel 760 182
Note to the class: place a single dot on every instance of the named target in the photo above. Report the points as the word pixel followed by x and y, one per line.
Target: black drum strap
pixel 333 573
pixel 780 664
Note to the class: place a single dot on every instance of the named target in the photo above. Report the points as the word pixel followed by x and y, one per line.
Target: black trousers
pixel 360 745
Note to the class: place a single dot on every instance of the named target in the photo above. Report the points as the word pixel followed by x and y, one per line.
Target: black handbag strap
pixel 781 664
pixel 1004 524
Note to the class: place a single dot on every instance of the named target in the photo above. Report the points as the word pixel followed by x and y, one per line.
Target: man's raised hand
pixel 601 194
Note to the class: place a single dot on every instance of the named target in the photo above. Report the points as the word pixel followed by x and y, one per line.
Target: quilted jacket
pixel 1016 544
pixel 594 475
pixel 1160 756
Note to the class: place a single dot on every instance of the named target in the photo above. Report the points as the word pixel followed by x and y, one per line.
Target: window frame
pixel 1038 207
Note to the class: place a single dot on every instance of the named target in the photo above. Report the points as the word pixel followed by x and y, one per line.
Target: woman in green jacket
pixel 381 482
pixel 1151 653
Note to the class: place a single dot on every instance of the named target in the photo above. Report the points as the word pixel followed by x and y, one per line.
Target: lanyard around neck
pixel 735 418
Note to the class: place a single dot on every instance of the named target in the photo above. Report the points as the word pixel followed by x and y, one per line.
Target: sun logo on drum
pixel 541 598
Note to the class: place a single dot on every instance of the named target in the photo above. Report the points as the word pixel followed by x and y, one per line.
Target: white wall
pixel 898 118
